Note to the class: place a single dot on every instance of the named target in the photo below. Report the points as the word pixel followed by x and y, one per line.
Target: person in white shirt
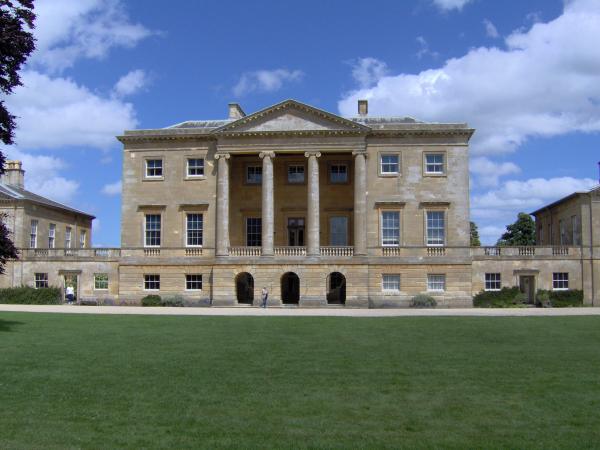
pixel 70 294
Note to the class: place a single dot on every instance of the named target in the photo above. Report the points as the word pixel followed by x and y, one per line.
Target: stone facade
pixel 319 209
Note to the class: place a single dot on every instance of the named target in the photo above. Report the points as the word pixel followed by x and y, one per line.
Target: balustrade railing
pixel 193 251
pixel 560 251
pixel 391 251
pixel 436 251
pixel 152 251
pixel 244 251
pixel 527 251
pixel 290 251
pixel 335 250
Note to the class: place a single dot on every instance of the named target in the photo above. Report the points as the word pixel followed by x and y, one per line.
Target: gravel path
pixel 293 311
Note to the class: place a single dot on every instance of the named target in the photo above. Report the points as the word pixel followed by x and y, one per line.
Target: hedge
pixel 423 301
pixel 26 295
pixel 559 299
pixel 152 300
pixel 507 297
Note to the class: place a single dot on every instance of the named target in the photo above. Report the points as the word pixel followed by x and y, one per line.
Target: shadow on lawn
pixel 6 325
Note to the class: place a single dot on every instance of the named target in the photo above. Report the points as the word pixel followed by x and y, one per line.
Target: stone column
pixel 268 215
pixel 312 219
pixel 222 226
pixel 360 203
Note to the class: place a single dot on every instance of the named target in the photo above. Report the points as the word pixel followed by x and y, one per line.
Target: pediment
pixel 291 116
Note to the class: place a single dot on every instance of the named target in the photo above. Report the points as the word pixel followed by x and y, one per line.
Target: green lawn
pixel 258 382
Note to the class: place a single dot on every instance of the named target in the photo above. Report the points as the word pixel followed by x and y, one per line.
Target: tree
pixel 522 232
pixel 16 44
pixel 475 242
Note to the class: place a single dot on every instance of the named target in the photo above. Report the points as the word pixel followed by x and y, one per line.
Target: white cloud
pixel 57 112
pixel 112 188
pixel 67 30
pixel 545 82
pixel 447 5
pixel 490 29
pixel 424 48
pixel 131 83
pixel 265 81
pixel 47 176
pixel 368 71
pixel 488 172
pixel 489 234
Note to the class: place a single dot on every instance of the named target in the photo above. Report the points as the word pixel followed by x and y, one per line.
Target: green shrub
pixel 560 299
pixel 423 301
pixel 507 297
pixel 542 299
pixel 152 300
pixel 26 295
pixel 176 300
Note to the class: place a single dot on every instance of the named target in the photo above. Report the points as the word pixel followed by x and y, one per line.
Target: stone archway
pixel 290 288
pixel 244 288
pixel 336 289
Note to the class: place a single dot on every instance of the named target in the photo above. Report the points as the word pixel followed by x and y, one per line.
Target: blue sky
pixel 526 74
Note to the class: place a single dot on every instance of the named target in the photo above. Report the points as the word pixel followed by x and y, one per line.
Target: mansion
pixel 319 209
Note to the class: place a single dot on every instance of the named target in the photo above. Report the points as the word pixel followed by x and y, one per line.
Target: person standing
pixel 264 297
pixel 70 294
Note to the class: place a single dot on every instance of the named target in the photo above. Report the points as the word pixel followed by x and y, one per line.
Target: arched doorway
pixel 336 288
pixel 290 288
pixel 244 288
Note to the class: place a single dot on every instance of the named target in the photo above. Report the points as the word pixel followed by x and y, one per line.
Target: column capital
pixel 314 153
pixel 359 152
pixel 222 155
pixel 262 155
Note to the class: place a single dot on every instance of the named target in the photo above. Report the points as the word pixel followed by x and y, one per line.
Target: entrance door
pixel 338 230
pixel 527 287
pixel 244 288
pixel 290 288
pixel 71 279
pixel 296 231
pixel 336 288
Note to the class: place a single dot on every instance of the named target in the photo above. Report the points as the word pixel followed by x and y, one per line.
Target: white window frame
pixel 187 230
pixel 68 236
pixel 381 164
pixel 381 227
pixel 493 281
pixel 560 281
pixel 97 279
pixel 82 238
pixel 146 231
pixel 427 165
pixel 189 167
pixel 436 279
pixel 257 168
pixel 147 169
pixel 33 234
pixel 296 166
pixel 341 164
pixel 431 242
pixel 40 278
pixel 52 235
pixel 148 281
pixel 188 281
pixel 389 279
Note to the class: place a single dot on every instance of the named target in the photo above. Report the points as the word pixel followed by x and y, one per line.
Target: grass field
pixel 240 382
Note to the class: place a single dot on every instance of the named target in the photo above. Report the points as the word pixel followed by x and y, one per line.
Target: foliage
pixel 7 247
pixel 423 301
pixel 152 300
pixel 559 299
pixel 522 232
pixel 176 300
pixel 475 242
pixel 507 297
pixel 26 295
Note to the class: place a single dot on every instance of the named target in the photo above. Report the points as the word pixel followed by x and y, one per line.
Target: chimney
pixel 363 107
pixel 14 175
pixel 235 111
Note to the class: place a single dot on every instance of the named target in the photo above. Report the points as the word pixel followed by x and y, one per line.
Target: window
pixel 33 235
pixel 391 283
pixel 254 174
pixel 193 282
pixel 563 232
pixel 338 173
pixel 575 230
pixel 560 281
pixel 295 173
pixel 253 231
pixel 541 234
pixel 152 231
pixel 436 228
pixel 436 282
pixel 68 237
pixel 390 228
pixel 492 282
pixel 101 281
pixel 434 163
pixel 154 168
pixel 195 167
pixel 41 280
pixel 82 238
pixel 389 165
pixel 151 282
pixel 51 235
pixel 338 230
pixel 194 224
